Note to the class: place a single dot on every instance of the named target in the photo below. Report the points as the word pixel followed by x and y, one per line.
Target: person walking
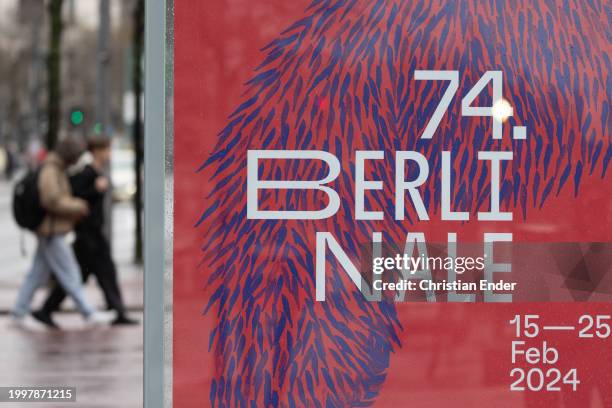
pixel 11 160
pixel 91 246
pixel 53 254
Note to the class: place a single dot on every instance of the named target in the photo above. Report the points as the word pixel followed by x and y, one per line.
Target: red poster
pixel 392 203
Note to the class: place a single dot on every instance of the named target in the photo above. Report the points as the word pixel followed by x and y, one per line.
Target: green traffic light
pixel 77 117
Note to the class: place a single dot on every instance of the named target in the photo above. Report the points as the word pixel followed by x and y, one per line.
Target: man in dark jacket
pixel 91 247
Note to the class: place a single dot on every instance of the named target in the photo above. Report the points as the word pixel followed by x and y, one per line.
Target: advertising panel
pixel 392 203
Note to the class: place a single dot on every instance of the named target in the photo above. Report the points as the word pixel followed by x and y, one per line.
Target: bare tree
pixel 138 46
pixel 54 72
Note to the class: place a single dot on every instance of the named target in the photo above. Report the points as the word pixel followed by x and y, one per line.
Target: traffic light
pixel 77 117
pixel 97 128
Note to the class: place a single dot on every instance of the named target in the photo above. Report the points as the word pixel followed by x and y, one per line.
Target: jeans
pixel 53 255
pixel 93 254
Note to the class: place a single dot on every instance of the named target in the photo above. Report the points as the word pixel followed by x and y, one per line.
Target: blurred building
pixel 24 44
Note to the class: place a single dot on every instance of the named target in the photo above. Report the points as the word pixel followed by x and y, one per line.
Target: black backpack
pixel 27 210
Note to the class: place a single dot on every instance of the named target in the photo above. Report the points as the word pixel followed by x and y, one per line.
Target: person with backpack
pixel 56 212
pixel 91 246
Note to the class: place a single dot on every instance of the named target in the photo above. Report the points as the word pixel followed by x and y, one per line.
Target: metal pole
pixel 155 26
pixel 102 98
pixel 103 69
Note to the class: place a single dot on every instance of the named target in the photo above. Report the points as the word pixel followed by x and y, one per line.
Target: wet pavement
pixel 104 364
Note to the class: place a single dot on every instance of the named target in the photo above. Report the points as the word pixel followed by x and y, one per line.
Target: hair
pixel 69 149
pixel 98 143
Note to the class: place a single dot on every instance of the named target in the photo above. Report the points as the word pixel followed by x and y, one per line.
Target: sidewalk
pixel 104 364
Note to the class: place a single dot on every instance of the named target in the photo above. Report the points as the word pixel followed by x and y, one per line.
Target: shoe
pixel 17 321
pixel 97 319
pixel 123 320
pixel 28 322
pixel 45 318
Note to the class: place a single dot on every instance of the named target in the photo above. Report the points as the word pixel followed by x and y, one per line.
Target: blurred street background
pixel 73 67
